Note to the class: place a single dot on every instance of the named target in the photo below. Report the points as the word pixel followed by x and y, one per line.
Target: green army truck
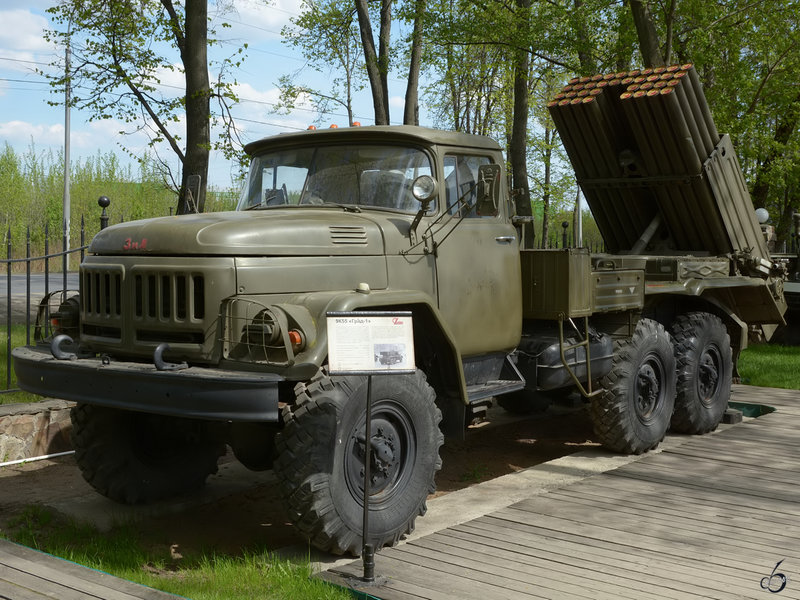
pixel 197 332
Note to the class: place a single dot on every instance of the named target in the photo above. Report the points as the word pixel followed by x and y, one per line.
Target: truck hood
pixel 275 232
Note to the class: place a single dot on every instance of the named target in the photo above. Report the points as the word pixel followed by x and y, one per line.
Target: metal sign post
pixel 370 343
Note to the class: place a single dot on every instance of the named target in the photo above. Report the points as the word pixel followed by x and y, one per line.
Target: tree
pixel 327 35
pixel 377 62
pixel 119 55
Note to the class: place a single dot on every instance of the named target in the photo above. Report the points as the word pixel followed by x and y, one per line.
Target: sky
pixel 26 118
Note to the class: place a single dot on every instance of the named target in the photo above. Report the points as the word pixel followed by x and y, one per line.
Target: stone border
pixel 34 429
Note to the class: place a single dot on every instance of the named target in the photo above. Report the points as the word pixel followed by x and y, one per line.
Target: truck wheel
pixel 320 458
pixel 705 368
pixel 633 414
pixel 136 458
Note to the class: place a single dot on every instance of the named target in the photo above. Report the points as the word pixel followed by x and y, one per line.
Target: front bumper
pixel 195 392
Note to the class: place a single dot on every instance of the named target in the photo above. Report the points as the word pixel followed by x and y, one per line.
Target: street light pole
pixel 66 203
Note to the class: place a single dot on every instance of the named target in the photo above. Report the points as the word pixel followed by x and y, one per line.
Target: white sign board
pixel 370 343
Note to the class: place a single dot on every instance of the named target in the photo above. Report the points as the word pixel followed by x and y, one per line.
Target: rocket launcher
pixel 657 175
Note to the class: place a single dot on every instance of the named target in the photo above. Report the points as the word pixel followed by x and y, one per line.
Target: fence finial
pixel 103 201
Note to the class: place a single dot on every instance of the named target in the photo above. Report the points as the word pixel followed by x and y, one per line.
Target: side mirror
pixel 488 188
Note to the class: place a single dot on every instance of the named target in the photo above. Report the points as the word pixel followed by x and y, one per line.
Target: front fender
pixel 431 333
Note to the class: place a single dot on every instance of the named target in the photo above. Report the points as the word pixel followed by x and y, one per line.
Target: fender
pixel 432 337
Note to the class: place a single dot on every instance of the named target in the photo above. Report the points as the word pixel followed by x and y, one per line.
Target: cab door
pixel 477 263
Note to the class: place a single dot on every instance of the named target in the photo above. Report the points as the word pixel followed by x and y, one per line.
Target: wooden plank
pixel 573 549
pixel 659 538
pixel 572 574
pixel 523 566
pixel 758 534
pixel 780 509
pixel 681 507
pixel 501 582
pixel 707 468
pixel 645 571
pixel 386 587
pixel 446 582
pixel 675 530
pixel 724 485
pixel 70 576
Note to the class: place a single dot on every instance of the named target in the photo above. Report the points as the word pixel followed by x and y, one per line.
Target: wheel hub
pixel 386 457
pixel 648 389
pixel 708 375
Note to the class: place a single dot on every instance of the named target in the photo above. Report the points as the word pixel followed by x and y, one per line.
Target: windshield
pixel 363 175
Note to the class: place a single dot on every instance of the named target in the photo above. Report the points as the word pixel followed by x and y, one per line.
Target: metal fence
pixel 42 277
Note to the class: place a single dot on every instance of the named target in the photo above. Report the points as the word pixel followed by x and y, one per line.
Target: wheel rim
pixel 393 454
pixel 649 388
pixel 708 375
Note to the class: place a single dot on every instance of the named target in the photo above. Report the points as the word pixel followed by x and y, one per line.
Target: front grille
pixel 170 296
pixel 102 293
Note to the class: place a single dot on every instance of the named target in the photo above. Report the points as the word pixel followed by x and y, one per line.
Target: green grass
pixel 208 576
pixel 771 365
pixel 18 338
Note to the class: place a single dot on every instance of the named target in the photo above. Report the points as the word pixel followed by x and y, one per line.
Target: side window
pixel 460 179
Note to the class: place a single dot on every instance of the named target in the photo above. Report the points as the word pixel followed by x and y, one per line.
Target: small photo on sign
pixel 389 355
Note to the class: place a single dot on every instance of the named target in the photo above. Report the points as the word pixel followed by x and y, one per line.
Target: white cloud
pixel 257 20
pixel 22 30
pixel 21 133
pixel 398 102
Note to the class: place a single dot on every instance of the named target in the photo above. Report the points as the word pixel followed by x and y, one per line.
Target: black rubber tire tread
pixel 694 333
pixel 614 415
pixel 310 459
pixel 110 453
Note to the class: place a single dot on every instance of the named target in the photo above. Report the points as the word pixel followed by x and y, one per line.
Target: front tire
pixel 138 458
pixel 705 371
pixel 633 414
pixel 320 458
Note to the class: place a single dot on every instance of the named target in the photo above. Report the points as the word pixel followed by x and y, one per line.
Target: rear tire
pixel 705 370
pixel 320 458
pixel 137 458
pixel 633 414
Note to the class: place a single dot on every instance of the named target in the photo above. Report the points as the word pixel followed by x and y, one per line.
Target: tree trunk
pixel 647 34
pixel 194 178
pixel 411 114
pixel 517 150
pixel 377 80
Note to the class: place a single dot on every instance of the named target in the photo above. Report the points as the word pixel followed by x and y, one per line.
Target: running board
pixel 490 389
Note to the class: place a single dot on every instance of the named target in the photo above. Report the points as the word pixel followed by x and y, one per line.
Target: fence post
pixel 27 286
pixel 103 201
pixel 8 309
pixel 564 225
pixel 64 261
pixel 83 237
pixel 46 259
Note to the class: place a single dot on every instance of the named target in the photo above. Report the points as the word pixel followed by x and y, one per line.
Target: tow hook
pixel 161 364
pixel 56 350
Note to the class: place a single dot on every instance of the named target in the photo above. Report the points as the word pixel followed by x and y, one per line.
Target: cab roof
pixel 375 133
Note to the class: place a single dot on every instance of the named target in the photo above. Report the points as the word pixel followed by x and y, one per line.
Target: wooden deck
pixel 26 574
pixel 710 517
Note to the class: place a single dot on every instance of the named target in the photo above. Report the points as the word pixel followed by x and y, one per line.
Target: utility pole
pixel 66 202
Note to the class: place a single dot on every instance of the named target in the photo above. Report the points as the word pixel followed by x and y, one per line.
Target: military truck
pixel 194 332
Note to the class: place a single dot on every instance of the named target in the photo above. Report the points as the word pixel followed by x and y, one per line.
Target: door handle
pixel 505 239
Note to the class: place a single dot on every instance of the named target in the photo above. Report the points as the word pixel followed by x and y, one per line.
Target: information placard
pixel 370 343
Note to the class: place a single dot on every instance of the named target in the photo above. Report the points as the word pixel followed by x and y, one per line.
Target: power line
pixel 19 60
pixel 24 81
